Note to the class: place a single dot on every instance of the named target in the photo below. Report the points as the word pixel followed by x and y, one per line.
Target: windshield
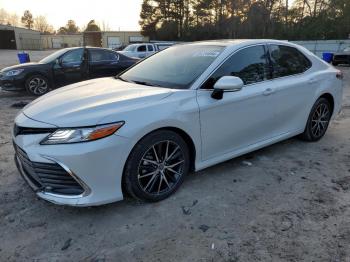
pixel 176 67
pixel 130 48
pixel 53 56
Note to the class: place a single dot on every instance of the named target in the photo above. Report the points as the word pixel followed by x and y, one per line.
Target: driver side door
pixel 242 118
pixel 71 67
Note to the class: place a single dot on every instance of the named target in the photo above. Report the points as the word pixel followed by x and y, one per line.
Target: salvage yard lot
pixel 287 202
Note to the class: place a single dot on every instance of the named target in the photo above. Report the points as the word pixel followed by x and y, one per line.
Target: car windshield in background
pixel 53 56
pixel 130 48
pixel 176 67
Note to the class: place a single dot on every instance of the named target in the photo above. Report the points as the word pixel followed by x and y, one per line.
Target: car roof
pixel 234 42
pixel 98 48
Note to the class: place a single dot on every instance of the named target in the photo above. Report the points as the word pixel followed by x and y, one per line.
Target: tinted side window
pixel 250 64
pixel 287 61
pixel 150 47
pixel 75 56
pixel 102 55
pixel 141 48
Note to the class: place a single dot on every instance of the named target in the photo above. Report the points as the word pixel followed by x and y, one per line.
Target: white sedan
pixel 186 108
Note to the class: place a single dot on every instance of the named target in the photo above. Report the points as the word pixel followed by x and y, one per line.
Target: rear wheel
pixel 37 85
pixel 157 166
pixel 318 121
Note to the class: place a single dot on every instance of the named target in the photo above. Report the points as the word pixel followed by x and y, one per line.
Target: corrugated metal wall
pixel 320 46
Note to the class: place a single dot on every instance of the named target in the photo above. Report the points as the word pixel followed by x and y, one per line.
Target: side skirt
pixel 245 150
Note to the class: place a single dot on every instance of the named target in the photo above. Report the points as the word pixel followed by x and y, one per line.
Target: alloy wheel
pixel 38 86
pixel 161 167
pixel 320 120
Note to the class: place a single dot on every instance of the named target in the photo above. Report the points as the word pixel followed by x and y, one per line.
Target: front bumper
pixel 12 83
pixel 97 166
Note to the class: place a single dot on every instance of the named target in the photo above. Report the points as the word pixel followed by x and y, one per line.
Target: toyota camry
pixel 183 109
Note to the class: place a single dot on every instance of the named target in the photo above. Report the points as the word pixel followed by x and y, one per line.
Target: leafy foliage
pixel 27 19
pixel 70 28
pixel 215 19
pixel 92 26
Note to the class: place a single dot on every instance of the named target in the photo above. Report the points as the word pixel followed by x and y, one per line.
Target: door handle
pixel 268 91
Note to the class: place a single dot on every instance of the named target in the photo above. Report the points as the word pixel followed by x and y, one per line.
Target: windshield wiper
pixel 120 78
pixel 145 83
pixel 137 82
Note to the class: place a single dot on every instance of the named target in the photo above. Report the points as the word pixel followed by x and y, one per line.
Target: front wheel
pixel 318 121
pixel 157 166
pixel 37 85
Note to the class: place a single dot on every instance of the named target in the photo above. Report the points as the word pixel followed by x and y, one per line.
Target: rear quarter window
pixel 287 60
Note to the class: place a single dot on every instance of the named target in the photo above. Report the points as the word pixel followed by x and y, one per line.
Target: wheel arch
pixel 184 135
pixel 39 73
pixel 329 98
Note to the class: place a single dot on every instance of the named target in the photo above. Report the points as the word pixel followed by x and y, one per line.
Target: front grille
pixel 20 130
pixel 48 177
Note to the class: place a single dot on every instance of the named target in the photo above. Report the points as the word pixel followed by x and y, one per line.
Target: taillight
pixel 340 75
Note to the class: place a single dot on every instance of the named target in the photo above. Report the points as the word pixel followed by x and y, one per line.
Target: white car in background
pixel 186 108
pixel 144 49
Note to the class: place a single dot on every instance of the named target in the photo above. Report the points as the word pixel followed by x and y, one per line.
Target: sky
pixel 118 14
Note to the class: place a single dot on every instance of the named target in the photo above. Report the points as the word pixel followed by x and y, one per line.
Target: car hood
pixel 128 53
pixel 88 103
pixel 21 66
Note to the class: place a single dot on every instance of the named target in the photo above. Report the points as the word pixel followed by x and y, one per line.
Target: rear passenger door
pixel 293 88
pixel 103 63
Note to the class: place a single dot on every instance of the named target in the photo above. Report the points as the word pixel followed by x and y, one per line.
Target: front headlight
pixel 85 134
pixel 14 72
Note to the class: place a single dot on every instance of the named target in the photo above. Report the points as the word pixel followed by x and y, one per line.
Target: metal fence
pixel 321 46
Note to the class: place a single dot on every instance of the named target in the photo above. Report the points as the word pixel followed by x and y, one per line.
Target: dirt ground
pixel 287 202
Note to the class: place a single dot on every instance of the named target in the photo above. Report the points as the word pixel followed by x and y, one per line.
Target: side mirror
pixel 228 84
pixel 58 62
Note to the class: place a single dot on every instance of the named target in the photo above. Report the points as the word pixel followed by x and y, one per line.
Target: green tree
pixel 92 26
pixel 72 28
pixel 214 19
pixel 69 28
pixel 27 19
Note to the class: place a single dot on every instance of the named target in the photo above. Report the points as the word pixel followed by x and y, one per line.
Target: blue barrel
pixel 328 57
pixel 23 57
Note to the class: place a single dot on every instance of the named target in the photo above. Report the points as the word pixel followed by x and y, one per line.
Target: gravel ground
pixel 287 202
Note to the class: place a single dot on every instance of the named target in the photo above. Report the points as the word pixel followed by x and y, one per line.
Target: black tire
pixel 334 63
pixel 318 121
pixel 37 85
pixel 145 164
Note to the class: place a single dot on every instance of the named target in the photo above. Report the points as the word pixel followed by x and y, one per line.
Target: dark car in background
pixel 342 57
pixel 64 67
